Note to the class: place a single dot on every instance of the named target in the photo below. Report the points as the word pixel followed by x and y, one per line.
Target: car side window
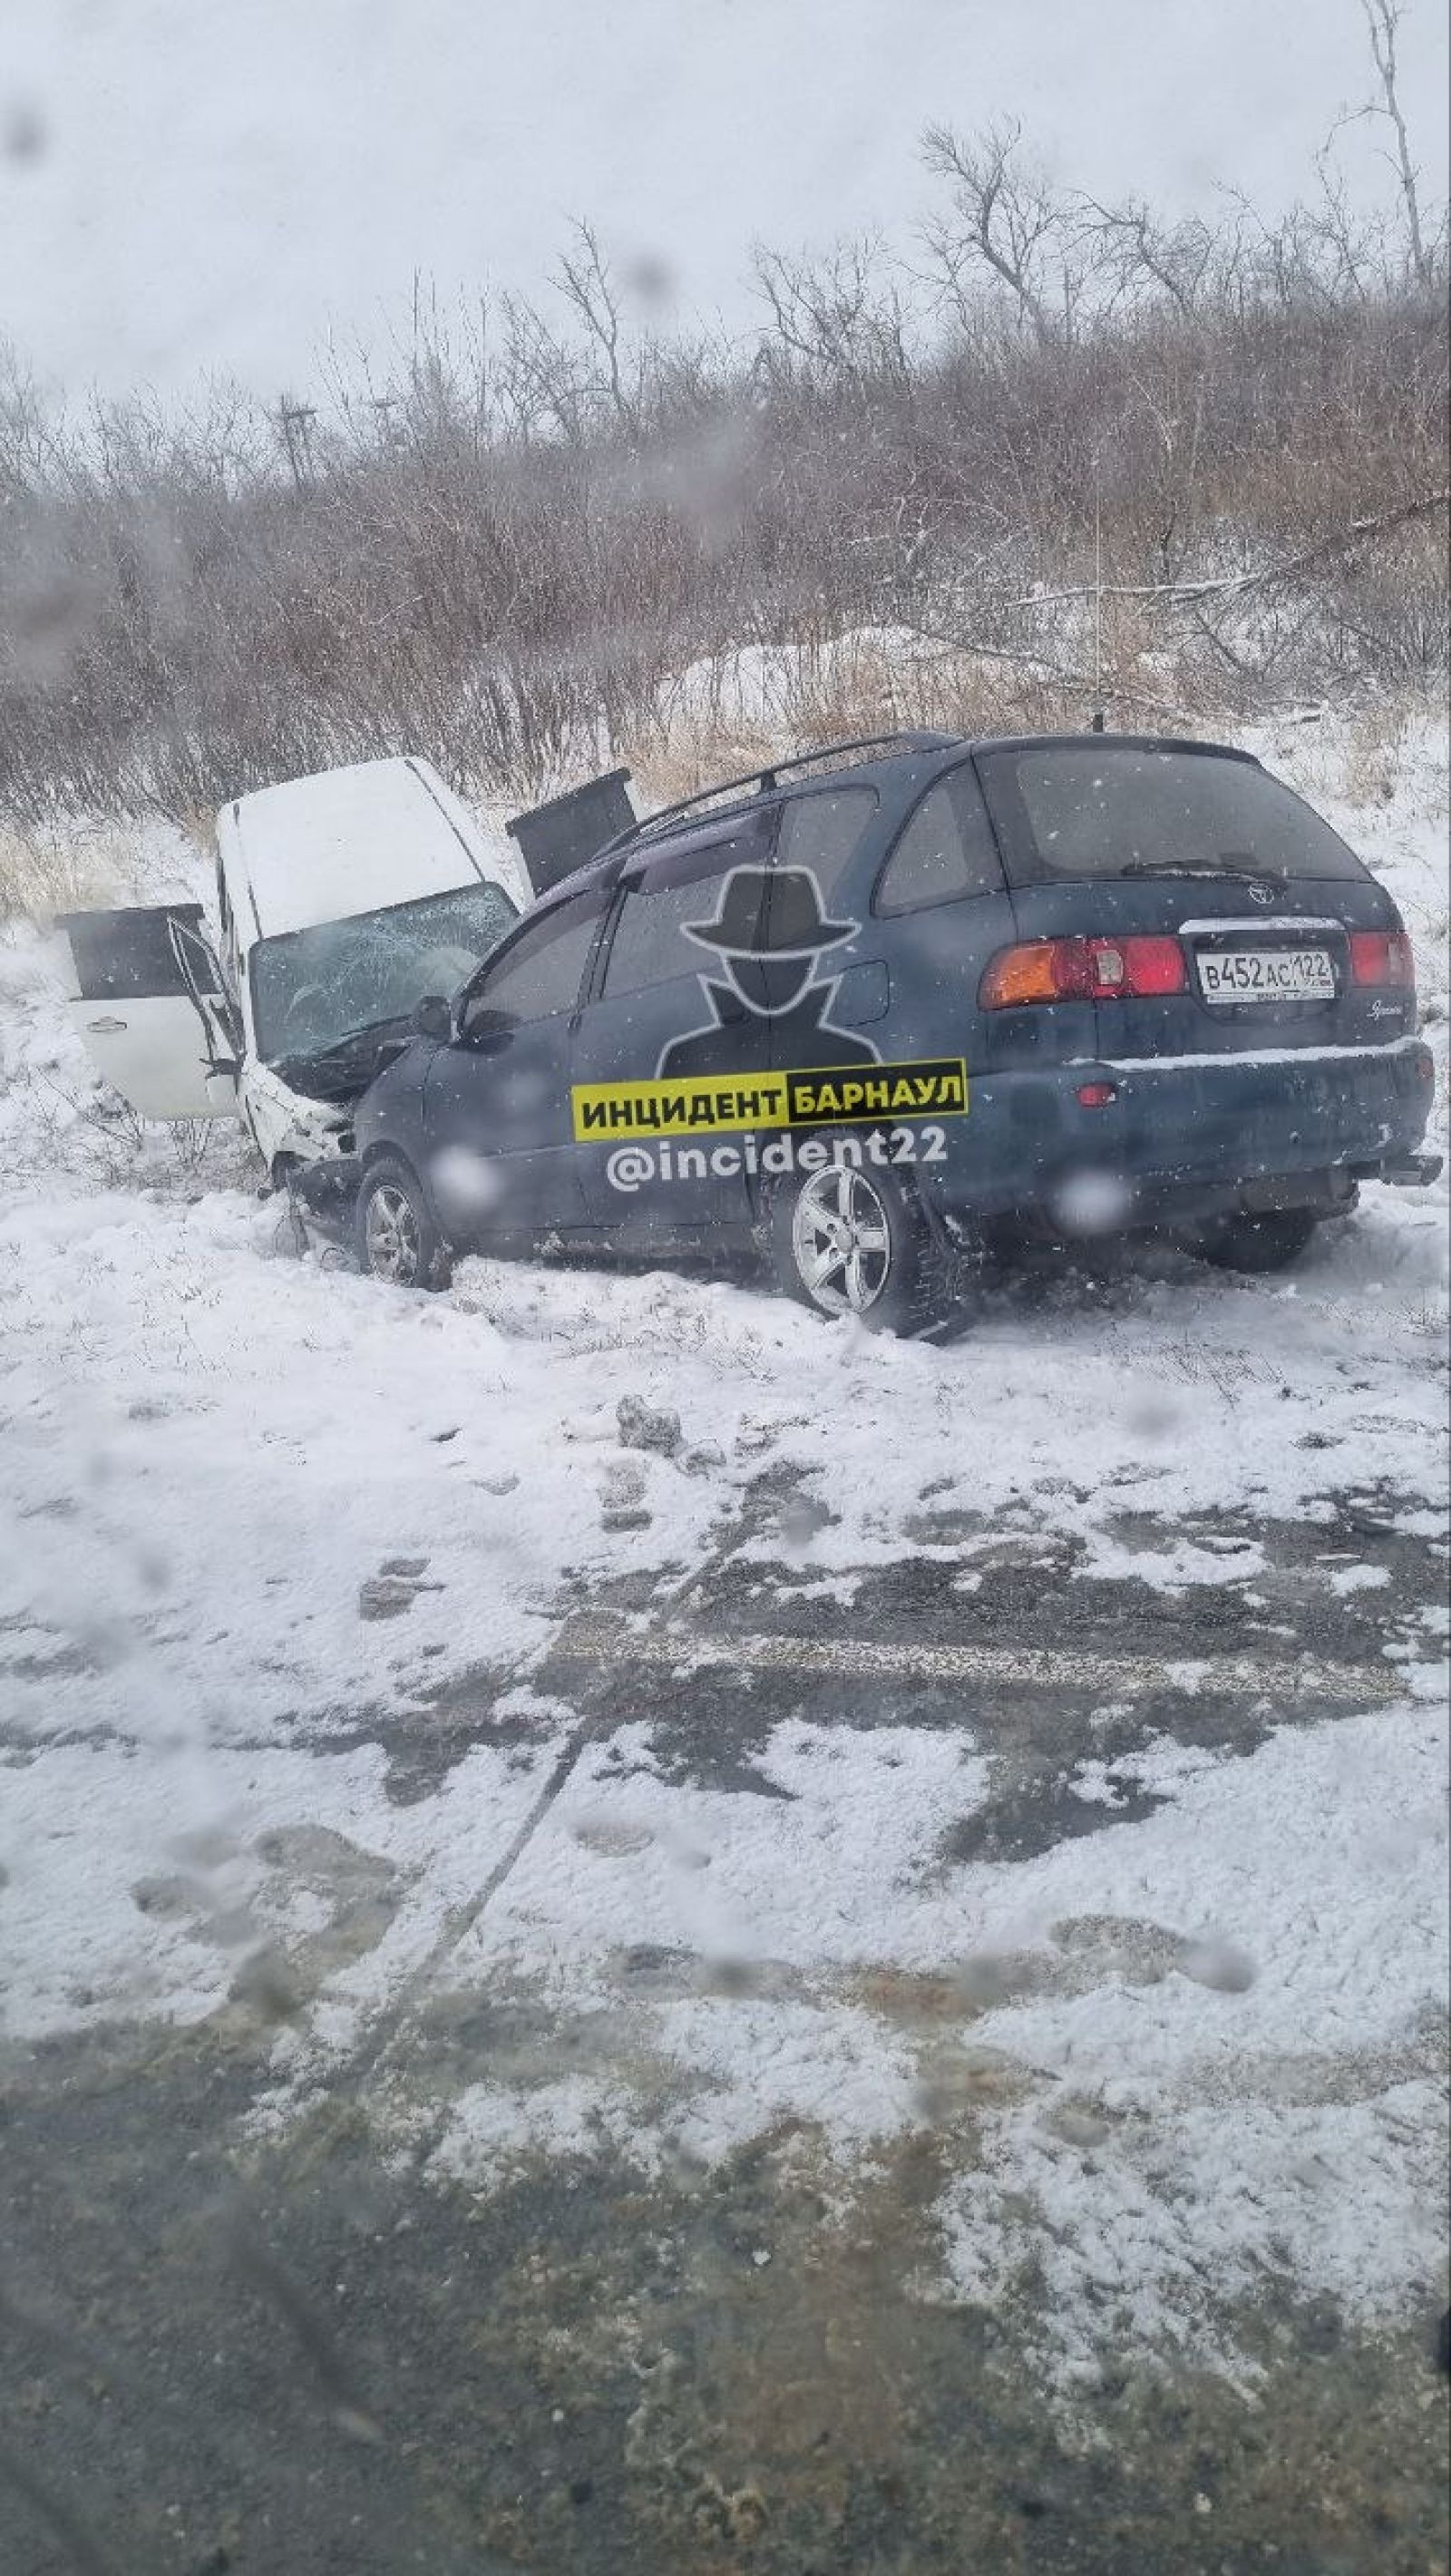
pixel 652 942
pixel 821 831
pixel 543 969
pixel 946 850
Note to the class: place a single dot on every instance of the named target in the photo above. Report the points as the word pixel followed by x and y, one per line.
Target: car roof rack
pixel 764 782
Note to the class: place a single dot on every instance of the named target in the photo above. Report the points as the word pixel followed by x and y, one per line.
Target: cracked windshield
pixel 723 1370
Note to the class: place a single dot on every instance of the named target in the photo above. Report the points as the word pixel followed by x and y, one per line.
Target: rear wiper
pixel 1236 872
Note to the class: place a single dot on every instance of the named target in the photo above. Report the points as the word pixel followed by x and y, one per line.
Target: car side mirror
pixel 432 1018
pixel 490 1028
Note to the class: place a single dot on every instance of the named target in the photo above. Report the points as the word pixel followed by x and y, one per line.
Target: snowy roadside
pixel 289 1570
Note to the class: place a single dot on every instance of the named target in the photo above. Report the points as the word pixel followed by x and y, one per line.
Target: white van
pixel 341 899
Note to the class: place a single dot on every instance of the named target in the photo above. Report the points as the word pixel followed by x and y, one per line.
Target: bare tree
pixel 1139 247
pixel 839 315
pixel 540 391
pixel 1383 20
pixel 1007 222
pixel 584 279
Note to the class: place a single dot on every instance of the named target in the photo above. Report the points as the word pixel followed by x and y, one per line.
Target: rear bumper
pixel 1188 1130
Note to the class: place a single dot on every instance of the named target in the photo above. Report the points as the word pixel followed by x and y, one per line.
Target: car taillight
pixel 1151 965
pixel 1083 970
pixel 1382 957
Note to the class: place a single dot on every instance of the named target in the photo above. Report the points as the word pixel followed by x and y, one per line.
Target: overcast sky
pixel 212 186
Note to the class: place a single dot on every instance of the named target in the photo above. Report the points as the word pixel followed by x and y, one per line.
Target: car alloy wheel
pixel 841 1241
pixel 390 1232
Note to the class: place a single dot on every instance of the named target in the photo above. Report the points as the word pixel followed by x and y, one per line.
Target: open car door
pixel 151 1007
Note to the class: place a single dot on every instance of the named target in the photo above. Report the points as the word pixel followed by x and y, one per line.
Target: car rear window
pixel 945 851
pixel 1104 809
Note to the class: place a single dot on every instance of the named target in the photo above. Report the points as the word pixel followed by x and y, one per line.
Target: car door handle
pixel 104 1028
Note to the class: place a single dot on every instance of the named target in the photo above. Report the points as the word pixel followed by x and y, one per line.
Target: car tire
pixel 852 1240
pixel 395 1233
pixel 1270 1241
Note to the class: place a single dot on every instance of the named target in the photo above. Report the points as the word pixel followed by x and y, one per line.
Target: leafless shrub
pixel 99 1135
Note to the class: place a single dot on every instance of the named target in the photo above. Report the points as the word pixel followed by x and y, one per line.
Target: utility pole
pixel 1099 711
pixel 295 422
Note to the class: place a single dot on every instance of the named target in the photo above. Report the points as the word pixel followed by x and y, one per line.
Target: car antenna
pixel 1096 724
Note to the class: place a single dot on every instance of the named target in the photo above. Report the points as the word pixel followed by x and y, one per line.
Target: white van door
pixel 153 1011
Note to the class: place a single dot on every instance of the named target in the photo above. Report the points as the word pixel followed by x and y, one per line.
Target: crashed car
pixel 340 899
pixel 857 1010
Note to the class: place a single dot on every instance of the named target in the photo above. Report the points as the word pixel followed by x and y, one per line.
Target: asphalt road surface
pixel 304 2346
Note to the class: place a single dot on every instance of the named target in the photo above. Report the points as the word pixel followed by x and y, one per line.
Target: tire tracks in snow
pixel 369 2055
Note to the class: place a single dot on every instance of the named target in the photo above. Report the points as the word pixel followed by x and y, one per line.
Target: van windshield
pixel 1111 809
pixel 315 988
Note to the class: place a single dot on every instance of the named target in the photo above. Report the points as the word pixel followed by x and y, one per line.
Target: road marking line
pixel 994 1667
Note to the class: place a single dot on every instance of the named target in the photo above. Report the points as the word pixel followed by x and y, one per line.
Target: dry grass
pixel 46 869
pixel 695 755
pixel 1375 739
pixel 847 688
pixel 859 685
pixel 77 862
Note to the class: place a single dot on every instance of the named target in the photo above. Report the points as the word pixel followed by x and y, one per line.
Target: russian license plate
pixel 1266 975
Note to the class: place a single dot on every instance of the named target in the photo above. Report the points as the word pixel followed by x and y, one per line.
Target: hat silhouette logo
pixel 769 928
pixel 790 923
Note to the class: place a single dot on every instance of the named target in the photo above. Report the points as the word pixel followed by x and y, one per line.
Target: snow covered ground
pixel 353 1663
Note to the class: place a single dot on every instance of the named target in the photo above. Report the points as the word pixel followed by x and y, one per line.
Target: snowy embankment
pixel 269 1528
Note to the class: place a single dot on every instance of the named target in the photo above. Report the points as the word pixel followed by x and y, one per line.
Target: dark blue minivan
pixel 859 1010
